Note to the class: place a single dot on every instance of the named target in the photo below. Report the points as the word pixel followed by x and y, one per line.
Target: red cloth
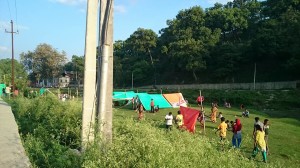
pixel 189 117
pixel 238 126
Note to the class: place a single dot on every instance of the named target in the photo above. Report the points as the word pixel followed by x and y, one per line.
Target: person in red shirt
pixel 199 99
pixel 237 134
pixel 152 106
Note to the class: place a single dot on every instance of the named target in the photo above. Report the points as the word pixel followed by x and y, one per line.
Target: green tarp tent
pixel 117 96
pixel 159 100
pixel 1 87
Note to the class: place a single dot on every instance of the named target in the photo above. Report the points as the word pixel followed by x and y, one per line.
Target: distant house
pixel 64 81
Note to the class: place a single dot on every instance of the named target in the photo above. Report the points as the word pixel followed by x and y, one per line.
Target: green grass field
pixel 284 138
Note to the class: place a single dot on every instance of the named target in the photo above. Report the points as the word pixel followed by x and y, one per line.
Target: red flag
pixel 189 117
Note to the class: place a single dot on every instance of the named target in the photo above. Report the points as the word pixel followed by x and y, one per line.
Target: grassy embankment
pixel 50 129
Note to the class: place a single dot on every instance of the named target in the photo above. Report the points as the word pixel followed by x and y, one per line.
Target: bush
pixel 49 129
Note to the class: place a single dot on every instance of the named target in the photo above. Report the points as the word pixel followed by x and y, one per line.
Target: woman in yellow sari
pixel 214 111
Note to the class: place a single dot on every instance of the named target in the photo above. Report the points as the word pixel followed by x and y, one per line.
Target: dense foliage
pixel 221 44
pixel 45 62
pixel 20 75
pixel 50 130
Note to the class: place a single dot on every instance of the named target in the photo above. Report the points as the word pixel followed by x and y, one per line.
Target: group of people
pixel 178 120
pixel 8 92
pixel 260 135
pixel 260 130
pixel 136 105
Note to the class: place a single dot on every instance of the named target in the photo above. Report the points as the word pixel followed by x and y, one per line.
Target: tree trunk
pixel 195 76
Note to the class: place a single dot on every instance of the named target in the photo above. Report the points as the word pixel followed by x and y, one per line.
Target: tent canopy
pixel 123 95
pixel 1 87
pixel 158 99
pixel 175 99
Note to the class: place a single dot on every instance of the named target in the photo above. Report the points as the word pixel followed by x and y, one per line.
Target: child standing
pixel 266 129
pixel 169 121
pixel 179 120
pixel 152 106
pixel 141 110
pixel 260 143
pixel 237 134
pixel 220 115
pixel 222 128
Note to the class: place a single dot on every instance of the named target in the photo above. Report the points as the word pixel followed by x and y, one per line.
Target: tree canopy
pixel 44 62
pixel 20 75
pixel 218 44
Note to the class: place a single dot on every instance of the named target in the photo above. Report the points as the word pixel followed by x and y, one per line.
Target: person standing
pixel 133 103
pixel 266 130
pixel 152 106
pixel 237 134
pixel 141 110
pixel 214 111
pixel 169 121
pixel 179 120
pixel 260 143
pixel 256 123
pixel 199 100
pixel 222 128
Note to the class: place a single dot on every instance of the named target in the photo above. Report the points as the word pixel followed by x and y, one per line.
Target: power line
pixel 16 14
pixel 9 9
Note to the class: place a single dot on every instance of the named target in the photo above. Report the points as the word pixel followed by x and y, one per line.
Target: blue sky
pixel 61 23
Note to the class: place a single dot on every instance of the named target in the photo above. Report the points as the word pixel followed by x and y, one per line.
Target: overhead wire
pixel 9 9
pixel 16 15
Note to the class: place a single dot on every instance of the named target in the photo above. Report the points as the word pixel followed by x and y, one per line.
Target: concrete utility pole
pixel 89 87
pixel 12 55
pixel 105 77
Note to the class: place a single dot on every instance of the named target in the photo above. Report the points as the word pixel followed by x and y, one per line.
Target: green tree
pixel 135 55
pixel 186 41
pixel 44 62
pixel 76 65
pixel 20 75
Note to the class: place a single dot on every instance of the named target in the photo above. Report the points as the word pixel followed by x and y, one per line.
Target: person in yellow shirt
pixel 260 143
pixel 222 128
pixel 179 120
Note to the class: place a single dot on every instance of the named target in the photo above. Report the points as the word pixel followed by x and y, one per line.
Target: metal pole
pixel 132 80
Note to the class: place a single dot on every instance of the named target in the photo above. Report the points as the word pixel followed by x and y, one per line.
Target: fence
pixel 242 86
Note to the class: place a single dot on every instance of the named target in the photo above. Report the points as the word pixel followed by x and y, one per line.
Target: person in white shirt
pixel 169 121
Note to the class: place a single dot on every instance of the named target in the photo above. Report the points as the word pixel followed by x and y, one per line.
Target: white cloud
pixel 120 9
pixel 3 48
pixel 219 1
